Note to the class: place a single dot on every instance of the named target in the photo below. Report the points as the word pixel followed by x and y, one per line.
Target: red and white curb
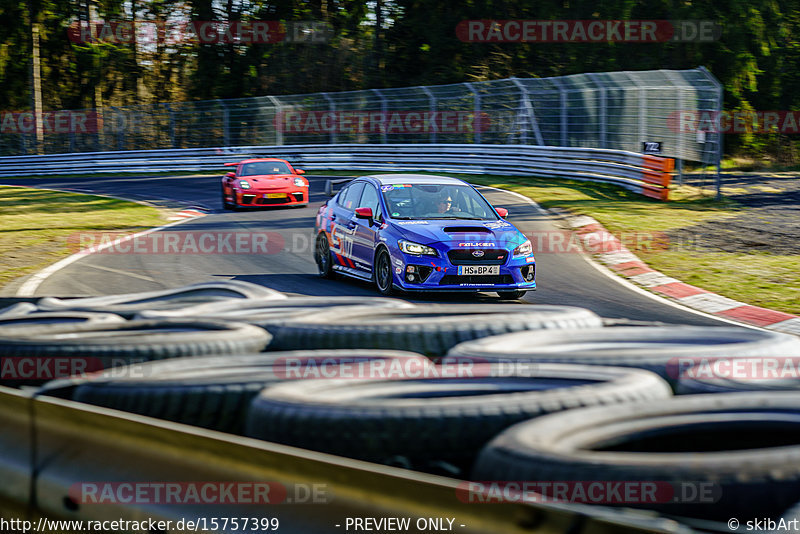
pixel 188 213
pixel 619 259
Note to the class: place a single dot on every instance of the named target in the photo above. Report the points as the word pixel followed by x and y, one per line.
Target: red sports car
pixel 263 182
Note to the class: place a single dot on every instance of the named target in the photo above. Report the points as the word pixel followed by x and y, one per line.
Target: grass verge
pixel 35 225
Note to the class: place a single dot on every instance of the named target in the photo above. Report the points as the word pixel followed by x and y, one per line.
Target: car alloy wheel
pixel 383 273
pixel 322 255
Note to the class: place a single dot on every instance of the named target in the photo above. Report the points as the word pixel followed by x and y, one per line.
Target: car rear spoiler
pixel 330 183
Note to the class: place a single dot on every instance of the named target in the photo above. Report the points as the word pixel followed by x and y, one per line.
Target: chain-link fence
pixel 616 110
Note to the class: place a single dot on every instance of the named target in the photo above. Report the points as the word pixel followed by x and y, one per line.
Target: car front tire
pixel 383 274
pixel 225 204
pixel 322 256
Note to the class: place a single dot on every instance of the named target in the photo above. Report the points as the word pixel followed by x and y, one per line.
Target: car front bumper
pixel 438 273
pixel 272 197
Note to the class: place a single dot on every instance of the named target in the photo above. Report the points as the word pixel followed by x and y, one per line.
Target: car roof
pixel 256 160
pixel 389 179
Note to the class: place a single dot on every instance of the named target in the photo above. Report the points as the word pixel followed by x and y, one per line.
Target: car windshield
pixel 264 167
pixel 435 201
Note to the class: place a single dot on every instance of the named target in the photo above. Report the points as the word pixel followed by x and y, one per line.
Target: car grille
pixel 454 280
pixel 464 256
pixel 263 201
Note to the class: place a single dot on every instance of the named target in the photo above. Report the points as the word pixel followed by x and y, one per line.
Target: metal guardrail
pixel 614 110
pixel 49 447
pixel 646 175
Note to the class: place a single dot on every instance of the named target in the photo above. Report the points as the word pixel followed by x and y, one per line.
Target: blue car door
pixel 366 235
pixel 344 225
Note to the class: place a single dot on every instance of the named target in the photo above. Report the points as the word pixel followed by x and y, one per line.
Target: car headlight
pixel 409 247
pixel 299 182
pixel 525 249
pixel 244 184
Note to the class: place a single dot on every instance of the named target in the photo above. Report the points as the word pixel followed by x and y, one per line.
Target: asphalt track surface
pixel 564 277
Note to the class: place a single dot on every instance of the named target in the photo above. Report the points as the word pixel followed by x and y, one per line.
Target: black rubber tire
pixel 322 256
pixel 382 274
pixel 13 322
pixel 660 349
pixel 431 420
pixel 15 310
pixel 743 447
pixel 133 341
pixel 128 305
pixel 511 295
pixel 431 330
pixel 225 204
pixel 272 314
pixel 212 391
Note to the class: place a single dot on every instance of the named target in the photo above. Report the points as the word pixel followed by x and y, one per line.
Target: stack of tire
pixel 499 394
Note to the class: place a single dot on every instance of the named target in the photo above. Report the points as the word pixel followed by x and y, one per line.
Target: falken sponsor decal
pixel 407 223
pixel 496 224
pixel 389 187
pixel 476 244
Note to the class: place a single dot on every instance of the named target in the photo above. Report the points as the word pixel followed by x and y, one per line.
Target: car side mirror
pixel 230 175
pixel 364 213
pixel 299 171
pixel 502 212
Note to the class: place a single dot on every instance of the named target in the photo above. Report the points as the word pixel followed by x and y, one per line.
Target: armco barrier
pixel 643 174
pixel 51 449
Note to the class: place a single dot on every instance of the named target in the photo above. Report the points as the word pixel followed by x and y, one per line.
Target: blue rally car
pixel 422 233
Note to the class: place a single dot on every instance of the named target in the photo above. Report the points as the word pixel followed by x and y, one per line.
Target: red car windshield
pixel 264 167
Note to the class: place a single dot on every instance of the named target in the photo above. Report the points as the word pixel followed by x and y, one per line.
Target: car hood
pixel 270 181
pixel 461 233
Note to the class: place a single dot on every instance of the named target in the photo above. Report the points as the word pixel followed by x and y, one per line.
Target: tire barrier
pixel 438 421
pixel 431 330
pixel 666 350
pixel 36 319
pixel 130 304
pixel 20 308
pixel 588 386
pixel 739 452
pixel 271 314
pixel 215 391
pixel 79 348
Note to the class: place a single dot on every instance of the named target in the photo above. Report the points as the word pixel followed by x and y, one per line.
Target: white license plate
pixel 478 270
